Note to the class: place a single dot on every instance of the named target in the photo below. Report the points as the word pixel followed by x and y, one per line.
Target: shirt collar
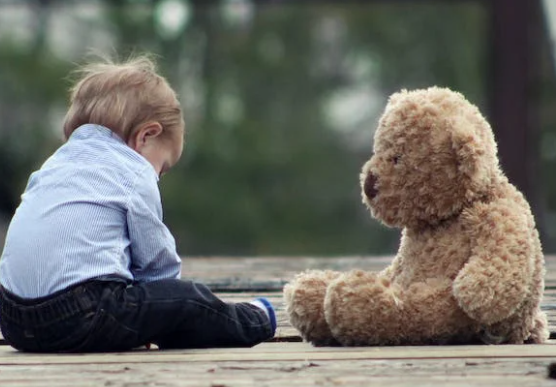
pixel 94 131
pixel 88 131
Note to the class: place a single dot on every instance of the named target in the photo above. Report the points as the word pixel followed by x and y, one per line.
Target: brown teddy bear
pixel 469 268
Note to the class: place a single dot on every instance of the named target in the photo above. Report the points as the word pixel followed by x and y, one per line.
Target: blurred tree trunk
pixel 516 34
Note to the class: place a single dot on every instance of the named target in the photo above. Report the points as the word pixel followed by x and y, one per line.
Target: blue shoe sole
pixel 271 314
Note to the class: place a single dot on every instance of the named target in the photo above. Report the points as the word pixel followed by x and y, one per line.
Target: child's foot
pixel 265 305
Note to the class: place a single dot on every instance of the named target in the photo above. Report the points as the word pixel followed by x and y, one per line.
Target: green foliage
pixel 31 83
pixel 265 171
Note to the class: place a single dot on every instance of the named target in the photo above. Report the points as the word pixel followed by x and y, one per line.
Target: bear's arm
pixel 396 266
pixel 393 269
pixel 494 282
pixel 390 270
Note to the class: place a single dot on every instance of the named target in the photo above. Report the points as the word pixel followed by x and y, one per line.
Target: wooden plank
pixel 449 372
pixel 519 372
pixel 284 352
pixel 272 273
pixel 267 273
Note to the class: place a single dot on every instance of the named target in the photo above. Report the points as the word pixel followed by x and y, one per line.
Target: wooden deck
pixel 286 360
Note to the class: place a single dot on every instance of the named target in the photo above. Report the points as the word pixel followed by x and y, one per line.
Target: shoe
pixel 264 304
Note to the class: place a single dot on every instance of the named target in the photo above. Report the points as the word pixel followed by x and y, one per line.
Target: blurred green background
pixel 281 101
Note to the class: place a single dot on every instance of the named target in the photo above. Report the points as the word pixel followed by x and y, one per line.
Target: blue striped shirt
pixel 92 210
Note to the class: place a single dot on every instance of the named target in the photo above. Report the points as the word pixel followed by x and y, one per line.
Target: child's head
pixel 133 101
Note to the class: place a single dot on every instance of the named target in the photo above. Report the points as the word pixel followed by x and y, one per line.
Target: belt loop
pixel 84 299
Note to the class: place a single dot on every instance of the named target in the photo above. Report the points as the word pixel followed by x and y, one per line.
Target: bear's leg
pixel 364 308
pixel 540 333
pixel 304 299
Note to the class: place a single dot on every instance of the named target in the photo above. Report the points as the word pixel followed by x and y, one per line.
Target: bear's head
pixel 433 155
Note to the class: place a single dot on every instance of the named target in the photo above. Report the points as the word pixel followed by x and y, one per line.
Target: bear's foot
pixel 363 308
pixel 304 299
pixel 540 333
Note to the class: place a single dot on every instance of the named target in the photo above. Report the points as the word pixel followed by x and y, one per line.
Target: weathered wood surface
pixel 271 273
pixel 286 361
pixel 287 352
pixel 286 364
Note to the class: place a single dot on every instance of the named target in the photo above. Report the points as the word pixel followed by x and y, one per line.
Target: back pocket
pixel 107 334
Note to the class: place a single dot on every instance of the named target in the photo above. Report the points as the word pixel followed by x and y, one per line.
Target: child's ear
pixel 146 132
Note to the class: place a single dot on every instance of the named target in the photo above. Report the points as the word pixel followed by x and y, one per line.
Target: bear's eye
pixel 396 159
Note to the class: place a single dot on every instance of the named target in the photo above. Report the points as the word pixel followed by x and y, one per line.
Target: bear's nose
pixel 370 186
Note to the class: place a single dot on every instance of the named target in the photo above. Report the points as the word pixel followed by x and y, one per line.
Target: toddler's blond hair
pixel 121 97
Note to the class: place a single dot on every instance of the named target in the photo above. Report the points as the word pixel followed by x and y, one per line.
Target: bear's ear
pixel 474 167
pixel 467 149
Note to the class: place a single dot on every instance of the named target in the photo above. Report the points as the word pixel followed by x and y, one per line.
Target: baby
pixel 88 263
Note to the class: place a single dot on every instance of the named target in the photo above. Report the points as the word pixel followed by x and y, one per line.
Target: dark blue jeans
pixel 102 316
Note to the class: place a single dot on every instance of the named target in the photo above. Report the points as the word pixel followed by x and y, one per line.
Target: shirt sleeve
pixel 153 248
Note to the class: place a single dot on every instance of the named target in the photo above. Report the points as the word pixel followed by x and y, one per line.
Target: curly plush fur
pixel 469 268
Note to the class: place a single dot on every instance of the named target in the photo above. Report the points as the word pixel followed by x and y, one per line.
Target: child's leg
pixel 111 316
pixel 184 314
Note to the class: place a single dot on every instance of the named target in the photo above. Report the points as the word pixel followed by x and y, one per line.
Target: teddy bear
pixel 469 268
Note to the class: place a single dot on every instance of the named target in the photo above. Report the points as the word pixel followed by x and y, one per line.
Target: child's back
pixel 70 224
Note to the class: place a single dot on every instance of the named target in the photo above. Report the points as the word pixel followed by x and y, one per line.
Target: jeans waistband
pixel 80 298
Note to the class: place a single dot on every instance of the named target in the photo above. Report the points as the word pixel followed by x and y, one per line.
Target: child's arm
pixel 153 248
